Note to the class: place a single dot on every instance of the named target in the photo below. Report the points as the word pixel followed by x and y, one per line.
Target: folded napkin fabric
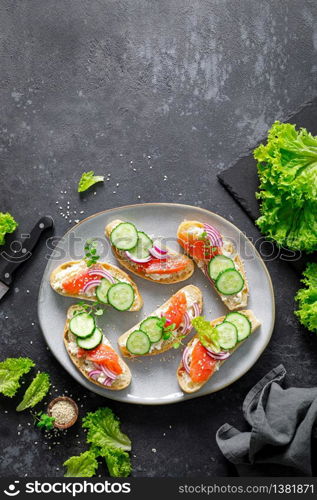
pixel 282 428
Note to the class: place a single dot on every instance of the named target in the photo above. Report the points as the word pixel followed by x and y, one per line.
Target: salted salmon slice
pixel 77 283
pixel 198 248
pixel 102 355
pixel 177 308
pixel 202 365
pixel 171 265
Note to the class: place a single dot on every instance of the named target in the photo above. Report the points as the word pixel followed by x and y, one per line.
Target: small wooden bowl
pixel 72 402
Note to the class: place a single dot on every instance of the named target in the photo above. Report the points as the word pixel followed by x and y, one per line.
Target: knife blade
pixel 3 289
pixel 25 246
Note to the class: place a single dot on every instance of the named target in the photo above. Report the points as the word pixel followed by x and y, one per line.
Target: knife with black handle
pixel 14 259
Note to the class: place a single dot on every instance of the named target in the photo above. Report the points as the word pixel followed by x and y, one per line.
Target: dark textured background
pixel 184 87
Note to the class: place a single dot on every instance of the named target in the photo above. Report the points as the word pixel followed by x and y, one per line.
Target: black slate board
pixel 242 182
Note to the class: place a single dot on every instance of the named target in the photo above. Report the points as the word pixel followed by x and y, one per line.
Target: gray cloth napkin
pixel 282 427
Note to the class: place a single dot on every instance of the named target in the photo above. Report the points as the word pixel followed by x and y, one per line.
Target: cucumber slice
pixel 219 264
pixel 92 341
pixel 229 282
pixel 227 335
pixel 82 325
pixel 121 296
pixel 242 324
pixel 124 236
pixel 141 250
pixel 102 290
pixel 138 342
pixel 152 327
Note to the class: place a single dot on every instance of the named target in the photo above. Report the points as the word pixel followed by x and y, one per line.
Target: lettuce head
pixel 287 168
pixel 307 299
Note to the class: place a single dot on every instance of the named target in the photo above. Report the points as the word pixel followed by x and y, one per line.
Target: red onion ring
pixel 93 373
pixel 91 284
pixel 136 260
pixel 157 254
pixel 108 372
pixel 196 309
pixel 219 356
pixel 108 382
pixel 103 273
pixel 214 236
pixel 157 246
pixel 186 323
pixel 185 359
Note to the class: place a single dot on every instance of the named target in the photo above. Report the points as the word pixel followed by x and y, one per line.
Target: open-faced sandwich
pixel 165 327
pixel 214 342
pixel 91 352
pixel 100 282
pixel 137 252
pixel 218 260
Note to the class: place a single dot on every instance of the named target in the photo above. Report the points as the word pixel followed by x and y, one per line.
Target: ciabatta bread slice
pixel 67 270
pixel 121 382
pixel 184 380
pixel 124 261
pixel 193 295
pixel 233 302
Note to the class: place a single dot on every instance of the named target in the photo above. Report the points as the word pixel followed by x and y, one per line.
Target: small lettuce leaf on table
pixel 104 430
pixel 11 370
pixel 36 391
pixel 307 299
pixel 287 168
pixel 88 179
pixel 7 225
pixel 83 465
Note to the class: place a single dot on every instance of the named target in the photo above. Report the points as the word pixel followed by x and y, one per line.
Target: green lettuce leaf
pixel 84 465
pixel 36 391
pixel 88 179
pixel 7 225
pixel 207 334
pixel 104 430
pixel 287 168
pixel 11 370
pixel 117 460
pixel 307 299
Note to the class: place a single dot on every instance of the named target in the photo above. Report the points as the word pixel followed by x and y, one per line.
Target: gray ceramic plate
pixel 153 378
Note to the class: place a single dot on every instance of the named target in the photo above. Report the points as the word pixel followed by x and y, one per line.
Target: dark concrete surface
pixel 184 87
